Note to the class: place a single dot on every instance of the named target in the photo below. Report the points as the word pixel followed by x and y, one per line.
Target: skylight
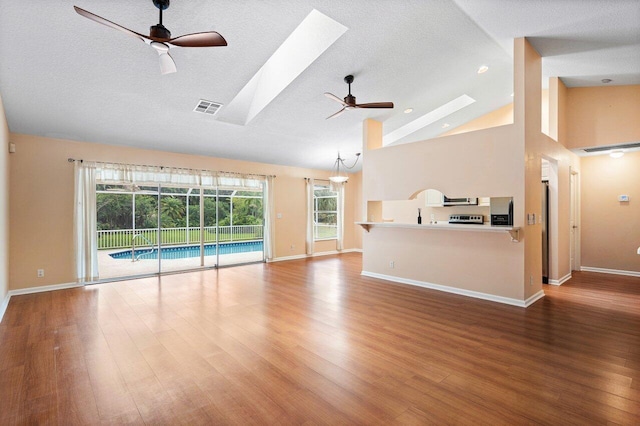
pixel 315 34
pixel 428 119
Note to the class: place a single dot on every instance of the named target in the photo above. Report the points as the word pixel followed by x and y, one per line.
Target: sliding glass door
pixel 241 226
pixel 127 222
pixel 161 229
pixel 210 232
pixel 180 242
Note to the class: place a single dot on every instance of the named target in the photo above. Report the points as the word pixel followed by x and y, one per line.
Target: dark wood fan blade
pixel 335 98
pixel 108 23
pixel 206 39
pixel 337 113
pixel 376 105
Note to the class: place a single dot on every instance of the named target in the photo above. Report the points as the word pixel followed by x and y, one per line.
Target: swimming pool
pixel 183 252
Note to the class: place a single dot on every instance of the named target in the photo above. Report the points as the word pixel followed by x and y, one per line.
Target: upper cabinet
pixel 434 198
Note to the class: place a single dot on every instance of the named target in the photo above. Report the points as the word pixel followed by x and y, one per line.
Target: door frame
pixel 574 222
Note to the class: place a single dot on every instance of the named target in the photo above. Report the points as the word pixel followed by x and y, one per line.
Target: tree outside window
pixel 325 213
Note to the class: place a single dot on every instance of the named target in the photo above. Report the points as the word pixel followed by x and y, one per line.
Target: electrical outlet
pixel 392 264
pixel 531 280
pixel 293 247
pixel 40 273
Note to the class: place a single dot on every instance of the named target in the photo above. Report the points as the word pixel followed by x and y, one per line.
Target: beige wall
pixel 602 115
pixel 561 110
pixel 610 228
pixel 41 202
pixel 499 117
pixel 4 207
pixel 528 96
pixel 355 189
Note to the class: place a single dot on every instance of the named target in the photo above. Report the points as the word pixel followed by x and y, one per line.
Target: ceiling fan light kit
pixel 349 101
pixel 160 37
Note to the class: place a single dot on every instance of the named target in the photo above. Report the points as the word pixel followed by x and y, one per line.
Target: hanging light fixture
pixel 339 176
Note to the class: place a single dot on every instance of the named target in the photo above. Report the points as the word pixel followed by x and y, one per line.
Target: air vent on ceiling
pixel 610 147
pixel 207 107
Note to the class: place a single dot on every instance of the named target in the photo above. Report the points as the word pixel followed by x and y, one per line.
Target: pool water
pixel 183 252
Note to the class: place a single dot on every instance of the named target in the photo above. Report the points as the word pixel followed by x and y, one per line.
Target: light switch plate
pixel 623 198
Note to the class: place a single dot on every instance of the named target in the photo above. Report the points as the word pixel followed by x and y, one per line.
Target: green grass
pixel 323 232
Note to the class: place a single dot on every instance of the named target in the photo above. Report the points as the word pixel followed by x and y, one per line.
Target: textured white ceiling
pixel 64 76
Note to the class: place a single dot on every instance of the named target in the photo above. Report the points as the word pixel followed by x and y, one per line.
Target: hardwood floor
pixel 313 342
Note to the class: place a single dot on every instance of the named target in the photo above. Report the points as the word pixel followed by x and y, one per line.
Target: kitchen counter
pixel 446 226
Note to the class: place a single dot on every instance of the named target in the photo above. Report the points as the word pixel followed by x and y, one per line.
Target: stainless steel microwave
pixel 459 201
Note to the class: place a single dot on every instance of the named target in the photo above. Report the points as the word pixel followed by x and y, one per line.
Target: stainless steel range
pixel 475 219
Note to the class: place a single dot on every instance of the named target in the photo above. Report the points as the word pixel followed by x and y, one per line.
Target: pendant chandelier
pixel 339 174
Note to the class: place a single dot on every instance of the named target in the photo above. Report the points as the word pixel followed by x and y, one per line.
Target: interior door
pixel 545 232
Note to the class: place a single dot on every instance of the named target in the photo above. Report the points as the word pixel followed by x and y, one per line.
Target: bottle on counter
pixel 419 217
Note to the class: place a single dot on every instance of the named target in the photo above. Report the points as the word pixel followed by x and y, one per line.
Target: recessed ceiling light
pixel 408 110
pixel 445 125
pixel 483 69
pixel 616 153
pixel 606 80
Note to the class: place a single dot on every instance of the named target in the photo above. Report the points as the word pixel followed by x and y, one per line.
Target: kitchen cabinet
pixel 434 198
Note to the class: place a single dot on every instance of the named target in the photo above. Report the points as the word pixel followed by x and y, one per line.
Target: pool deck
pixel 109 268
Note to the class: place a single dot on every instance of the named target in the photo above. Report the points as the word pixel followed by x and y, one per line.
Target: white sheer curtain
pixel 339 188
pixel 153 175
pixel 269 224
pixel 85 235
pixel 310 218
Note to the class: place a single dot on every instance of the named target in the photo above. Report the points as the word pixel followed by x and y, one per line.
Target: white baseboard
pixel 322 253
pixel 43 288
pixel 5 304
pixel 284 258
pixel 561 280
pixel 533 299
pixel 460 291
pixel 31 290
pixel 610 271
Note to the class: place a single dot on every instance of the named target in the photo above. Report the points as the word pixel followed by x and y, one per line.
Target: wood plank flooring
pixel 313 342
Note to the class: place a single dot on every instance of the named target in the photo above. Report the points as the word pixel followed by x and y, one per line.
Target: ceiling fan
pixel 160 37
pixel 349 101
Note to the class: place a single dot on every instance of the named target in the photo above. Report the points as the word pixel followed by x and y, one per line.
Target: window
pixel 325 213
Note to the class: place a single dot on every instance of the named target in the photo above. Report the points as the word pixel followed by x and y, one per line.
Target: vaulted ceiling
pixel 64 76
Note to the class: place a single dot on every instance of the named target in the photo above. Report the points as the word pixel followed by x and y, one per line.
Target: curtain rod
pixel 72 160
